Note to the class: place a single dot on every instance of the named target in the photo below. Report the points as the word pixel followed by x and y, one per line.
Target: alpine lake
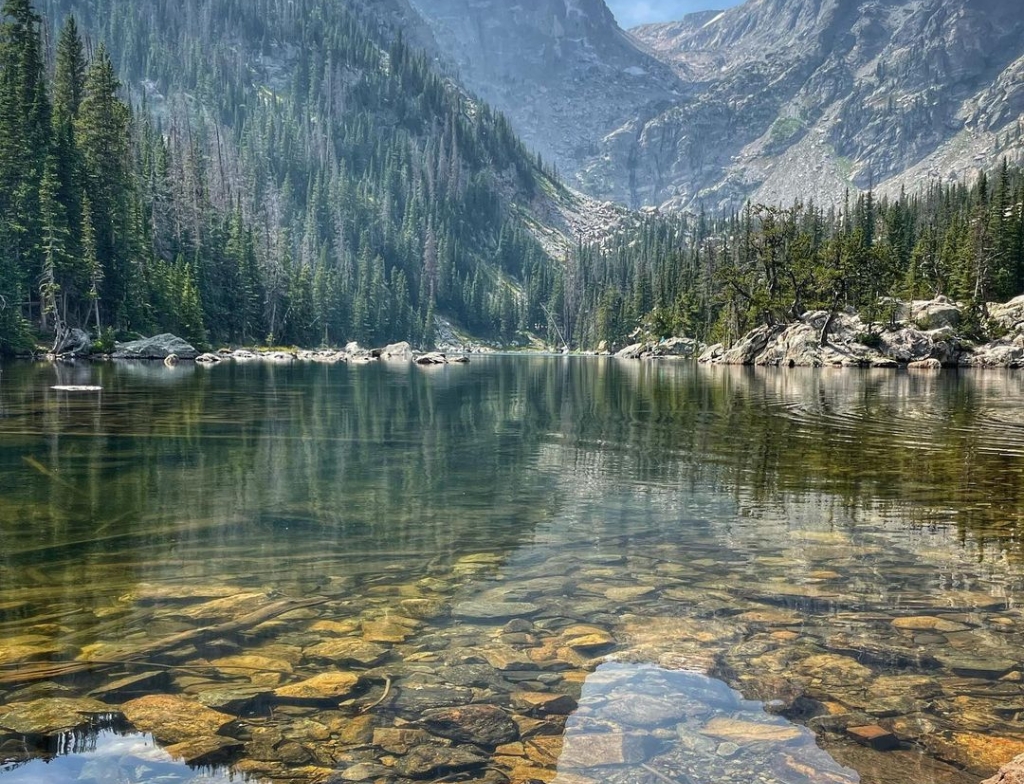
pixel 524 569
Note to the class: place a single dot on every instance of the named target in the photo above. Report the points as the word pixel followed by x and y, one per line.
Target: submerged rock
pixel 494 611
pixel 428 761
pixel 741 732
pixel 50 716
pixel 874 737
pixel 349 652
pixel 542 703
pixel 173 719
pixel 483 725
pixel 204 752
pixel 601 749
pixel 325 687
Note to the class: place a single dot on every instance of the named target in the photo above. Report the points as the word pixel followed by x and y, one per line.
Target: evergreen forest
pixel 272 172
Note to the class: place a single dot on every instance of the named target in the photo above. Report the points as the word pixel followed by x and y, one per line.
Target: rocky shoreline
pixel 924 335
pixel 170 349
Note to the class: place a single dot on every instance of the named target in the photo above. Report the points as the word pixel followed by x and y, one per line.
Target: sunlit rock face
pixel 770 100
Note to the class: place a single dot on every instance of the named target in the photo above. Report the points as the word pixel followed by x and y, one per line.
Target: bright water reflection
pixel 841 545
pixel 111 758
pixel 690 723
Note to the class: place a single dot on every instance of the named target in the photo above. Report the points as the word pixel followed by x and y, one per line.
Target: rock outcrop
pixel 928 341
pixel 1011 773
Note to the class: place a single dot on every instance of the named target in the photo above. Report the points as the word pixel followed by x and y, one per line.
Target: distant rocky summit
pixel 772 100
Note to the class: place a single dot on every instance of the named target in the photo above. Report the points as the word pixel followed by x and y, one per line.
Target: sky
pixel 630 13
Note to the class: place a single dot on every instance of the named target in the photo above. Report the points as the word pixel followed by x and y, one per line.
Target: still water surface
pixel 661 572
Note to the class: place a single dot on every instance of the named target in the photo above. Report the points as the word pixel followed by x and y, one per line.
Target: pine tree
pixel 102 127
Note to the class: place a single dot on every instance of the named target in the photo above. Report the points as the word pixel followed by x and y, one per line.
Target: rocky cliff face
pixel 813 96
pixel 771 100
pixel 561 69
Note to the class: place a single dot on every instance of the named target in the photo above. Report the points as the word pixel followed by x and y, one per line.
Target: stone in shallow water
pixel 174 719
pixel 542 703
pixel 874 736
pixel 424 608
pixel 413 697
pixel 428 761
pixel 742 732
pixel 325 687
pixel 13 652
pixel 234 699
pixel 50 716
pixel 150 593
pixel 629 593
pixel 600 749
pixel 203 752
pixel 362 771
pixel 928 623
pixel 387 630
pixel 645 710
pixel 261 670
pixel 494 611
pixel 587 639
pixel 335 628
pixel 356 653
pixel 918 686
pixel 131 685
pixel 227 607
pixel 504 657
pixel 977 752
pixel 398 740
pixel 834 670
pixel 483 725
pixel 968 666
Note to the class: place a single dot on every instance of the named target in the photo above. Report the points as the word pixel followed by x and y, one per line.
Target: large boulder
pixel 1008 315
pixel 749 347
pixel 906 345
pixel 631 352
pixel 934 313
pixel 398 351
pixel 1005 352
pixel 798 345
pixel 677 347
pixel 156 347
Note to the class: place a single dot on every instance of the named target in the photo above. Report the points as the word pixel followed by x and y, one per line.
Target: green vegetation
pixel 296 173
pixel 288 176
pixel 717 279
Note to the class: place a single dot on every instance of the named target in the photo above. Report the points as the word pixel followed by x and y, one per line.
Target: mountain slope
pixel 377 193
pixel 772 100
pixel 561 69
pixel 815 95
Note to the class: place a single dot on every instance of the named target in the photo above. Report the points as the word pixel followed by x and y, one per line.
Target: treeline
pixel 715 279
pixel 281 174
